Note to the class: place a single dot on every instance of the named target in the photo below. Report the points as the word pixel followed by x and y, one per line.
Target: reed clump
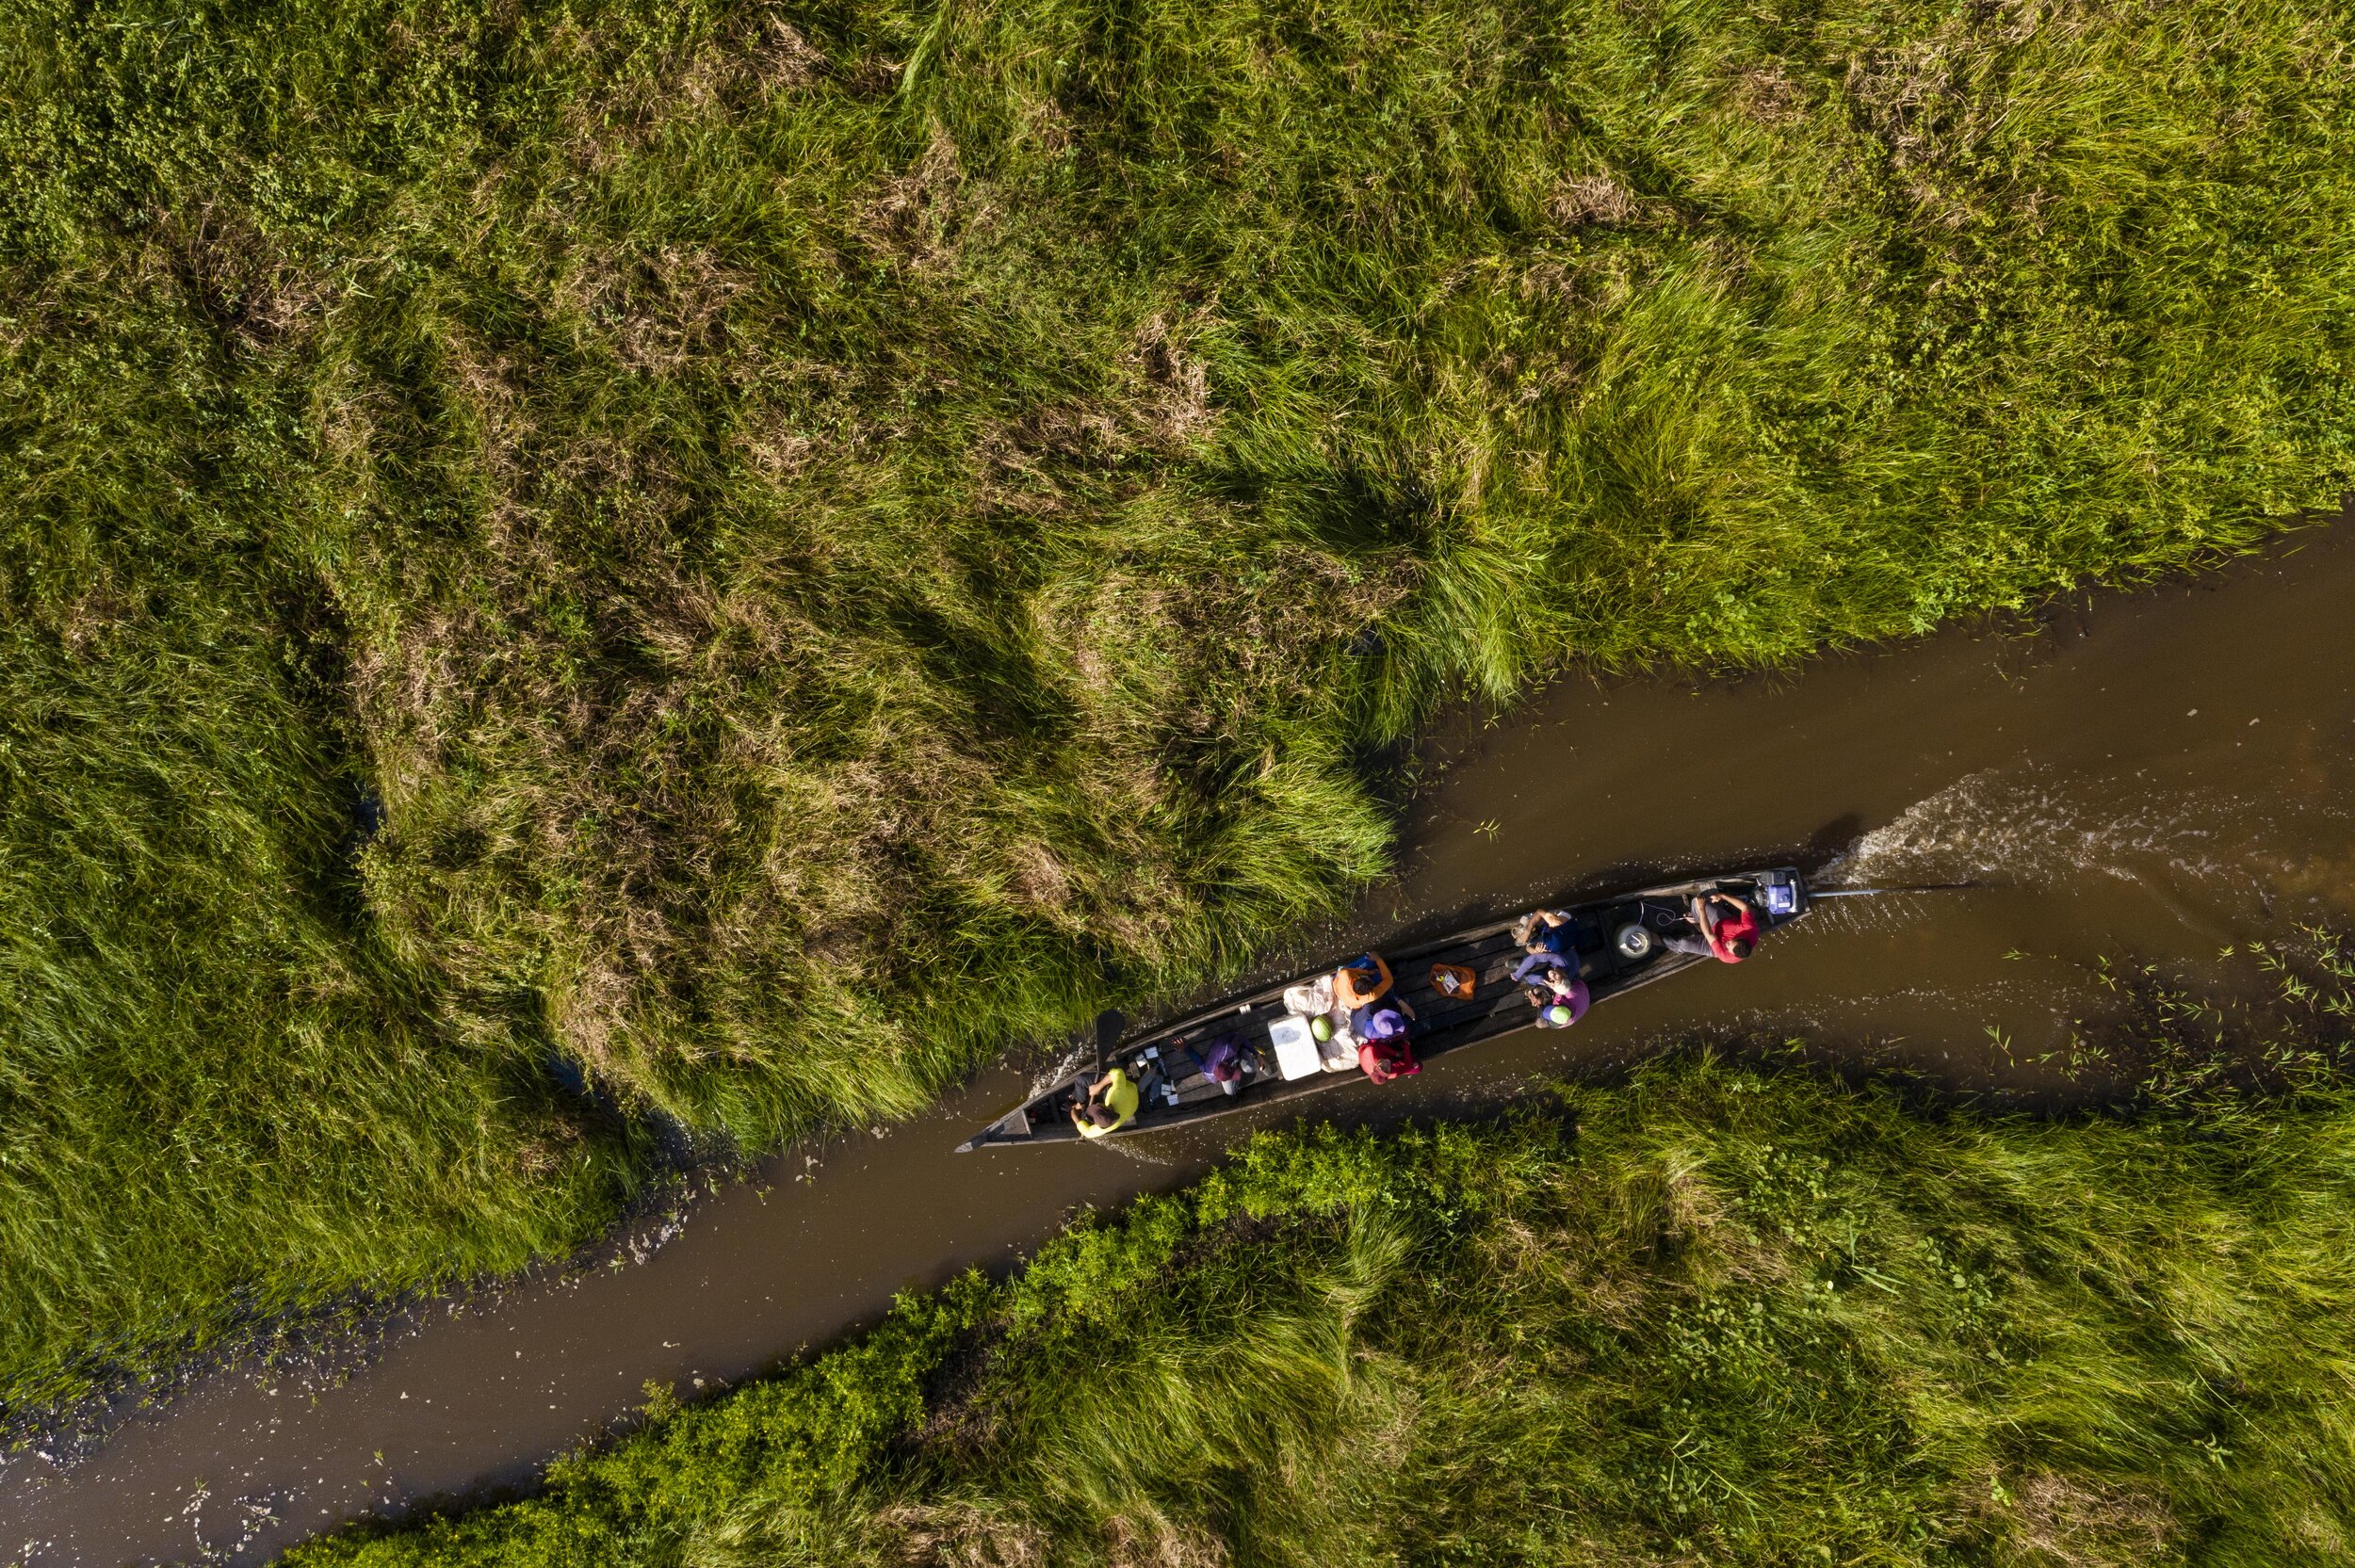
pixel 752 549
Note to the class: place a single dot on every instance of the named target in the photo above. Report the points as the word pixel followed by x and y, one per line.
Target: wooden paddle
pixel 1109 1024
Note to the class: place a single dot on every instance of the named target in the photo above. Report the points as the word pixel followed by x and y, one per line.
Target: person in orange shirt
pixel 1359 984
pixel 1360 980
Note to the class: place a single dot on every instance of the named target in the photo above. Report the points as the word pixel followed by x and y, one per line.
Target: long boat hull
pixel 1166 1061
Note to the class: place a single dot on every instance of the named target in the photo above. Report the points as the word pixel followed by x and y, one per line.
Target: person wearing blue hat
pixel 1383 1053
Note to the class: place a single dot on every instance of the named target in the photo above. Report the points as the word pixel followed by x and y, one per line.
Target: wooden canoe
pixel 1166 1062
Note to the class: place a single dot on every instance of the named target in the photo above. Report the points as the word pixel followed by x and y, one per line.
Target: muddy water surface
pixel 2156 776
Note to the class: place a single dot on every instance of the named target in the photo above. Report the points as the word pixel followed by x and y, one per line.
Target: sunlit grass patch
pixel 1702 1315
pixel 827 532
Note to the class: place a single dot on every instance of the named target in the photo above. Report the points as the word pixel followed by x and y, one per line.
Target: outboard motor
pixel 1779 894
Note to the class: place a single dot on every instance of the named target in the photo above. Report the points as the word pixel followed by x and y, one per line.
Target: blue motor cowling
pixel 1779 893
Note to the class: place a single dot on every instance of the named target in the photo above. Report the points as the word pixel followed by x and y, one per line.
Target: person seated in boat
pixel 1361 983
pixel 1222 1063
pixel 1383 1053
pixel 1110 1104
pixel 1729 937
pixel 1544 934
pixel 1535 964
pixel 1361 980
pixel 1560 997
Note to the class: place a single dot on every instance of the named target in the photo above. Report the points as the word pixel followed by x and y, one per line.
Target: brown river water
pixel 2148 776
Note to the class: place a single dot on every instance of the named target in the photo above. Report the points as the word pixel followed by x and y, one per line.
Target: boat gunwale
pixel 1240 1002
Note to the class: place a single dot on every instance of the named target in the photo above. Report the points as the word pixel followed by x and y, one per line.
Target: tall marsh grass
pixel 1705 1317
pixel 825 527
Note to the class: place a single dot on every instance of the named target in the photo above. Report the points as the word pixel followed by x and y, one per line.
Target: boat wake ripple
pixel 2012 827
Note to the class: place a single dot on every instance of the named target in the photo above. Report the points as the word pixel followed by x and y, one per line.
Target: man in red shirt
pixel 1729 938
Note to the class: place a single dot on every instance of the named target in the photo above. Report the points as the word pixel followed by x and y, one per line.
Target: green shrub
pixel 1704 1317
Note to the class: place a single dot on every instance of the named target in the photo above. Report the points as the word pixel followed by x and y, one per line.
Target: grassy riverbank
pixel 1708 1316
pixel 819 526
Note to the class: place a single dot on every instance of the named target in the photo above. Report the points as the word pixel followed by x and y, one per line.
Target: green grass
pixel 220 1095
pixel 823 525
pixel 1708 1316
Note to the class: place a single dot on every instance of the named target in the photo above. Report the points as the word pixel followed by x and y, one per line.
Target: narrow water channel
pixel 2153 776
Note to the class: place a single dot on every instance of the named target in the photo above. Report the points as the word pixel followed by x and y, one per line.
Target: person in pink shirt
pixel 1560 997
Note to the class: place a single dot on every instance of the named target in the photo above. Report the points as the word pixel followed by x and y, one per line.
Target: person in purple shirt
pixel 1222 1063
